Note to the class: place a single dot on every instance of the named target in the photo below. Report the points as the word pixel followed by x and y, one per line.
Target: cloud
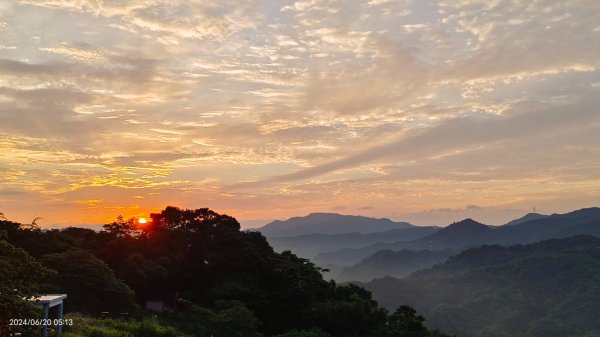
pixel 398 104
pixel 520 38
pixel 457 134
pixel 171 23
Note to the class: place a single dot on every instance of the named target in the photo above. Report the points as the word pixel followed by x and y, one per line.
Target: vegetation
pixel 549 288
pixel 219 280
pixel 391 263
pixel 91 285
pixel 309 245
pixel 85 326
pixel 469 233
pixel 20 276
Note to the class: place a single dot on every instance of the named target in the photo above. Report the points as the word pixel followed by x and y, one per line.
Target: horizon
pixel 258 224
pixel 421 111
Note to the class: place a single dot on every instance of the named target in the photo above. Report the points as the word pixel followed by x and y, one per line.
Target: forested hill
pixel 469 233
pixel 219 280
pixel 550 288
pixel 329 223
pixel 392 263
pixel 309 245
pixel 527 217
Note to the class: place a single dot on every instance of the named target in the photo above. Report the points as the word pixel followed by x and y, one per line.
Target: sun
pixel 142 220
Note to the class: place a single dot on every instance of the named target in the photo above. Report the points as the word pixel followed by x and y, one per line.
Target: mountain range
pixel 310 245
pixel 329 223
pixel 525 218
pixel 549 288
pixel 469 233
pixel 392 263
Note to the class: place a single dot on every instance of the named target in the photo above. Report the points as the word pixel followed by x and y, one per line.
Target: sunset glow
pixel 424 111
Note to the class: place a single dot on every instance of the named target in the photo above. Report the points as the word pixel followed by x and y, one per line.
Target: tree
pixel 92 286
pixel 122 227
pixel 145 276
pixel 35 241
pixel 350 313
pixel 405 322
pixel 407 316
pixel 305 333
pixel 20 276
pixel 211 260
pixel 235 320
pixel 225 319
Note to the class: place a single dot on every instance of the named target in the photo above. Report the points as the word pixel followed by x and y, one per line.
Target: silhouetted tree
pixel 122 227
pixel 91 285
pixel 20 278
pixel 229 282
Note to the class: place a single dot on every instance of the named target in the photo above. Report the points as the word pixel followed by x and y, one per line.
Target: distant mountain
pixel 525 218
pixel 469 233
pixel 457 235
pixel 544 289
pixel 329 223
pixel 581 222
pixel 391 263
pixel 309 245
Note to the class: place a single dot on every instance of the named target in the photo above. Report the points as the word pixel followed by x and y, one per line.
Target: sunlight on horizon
pixel 419 111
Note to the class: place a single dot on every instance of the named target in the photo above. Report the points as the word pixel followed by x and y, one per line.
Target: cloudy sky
pixel 426 111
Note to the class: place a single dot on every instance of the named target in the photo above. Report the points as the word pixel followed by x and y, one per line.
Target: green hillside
pixel 391 263
pixel 219 281
pixel 551 288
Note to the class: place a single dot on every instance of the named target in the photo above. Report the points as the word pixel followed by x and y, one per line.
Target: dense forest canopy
pixel 223 281
pixel 550 288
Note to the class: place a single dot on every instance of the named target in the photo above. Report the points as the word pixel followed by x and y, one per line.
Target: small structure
pixel 159 306
pixel 47 302
pixel 165 303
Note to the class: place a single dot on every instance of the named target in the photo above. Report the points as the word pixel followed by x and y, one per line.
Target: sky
pixel 415 110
